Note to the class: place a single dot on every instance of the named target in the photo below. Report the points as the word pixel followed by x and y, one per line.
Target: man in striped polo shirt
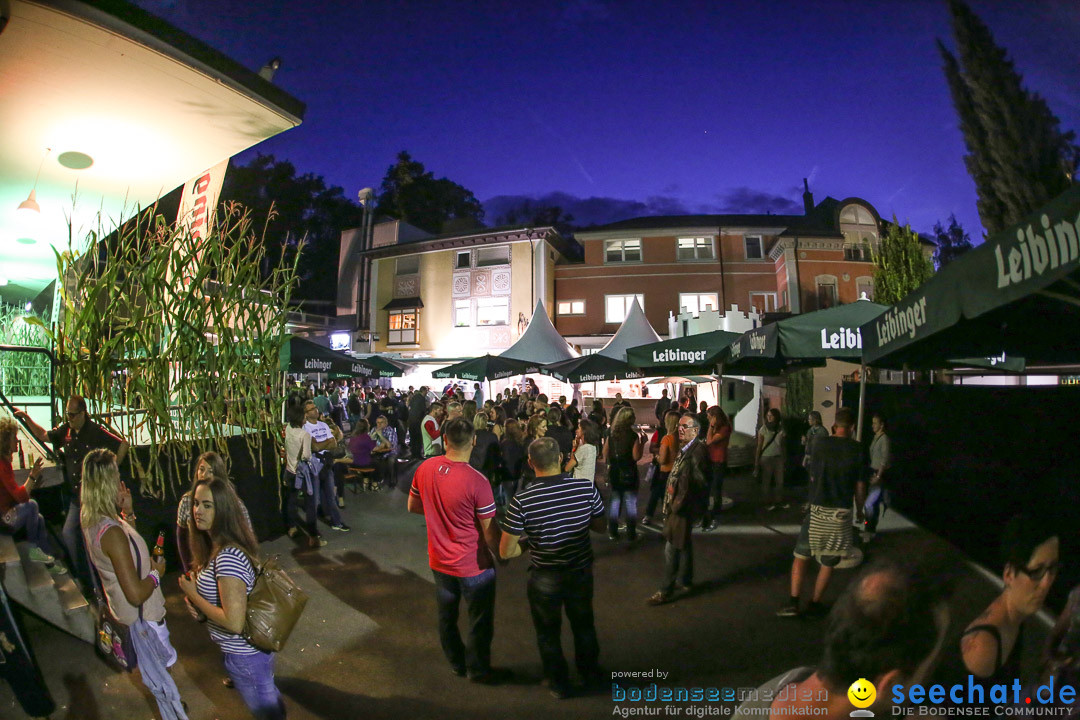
pixel 556 512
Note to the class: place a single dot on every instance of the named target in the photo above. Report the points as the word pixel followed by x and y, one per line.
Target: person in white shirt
pixel 323 439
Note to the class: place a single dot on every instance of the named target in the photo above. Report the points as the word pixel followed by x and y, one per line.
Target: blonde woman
pixel 134 597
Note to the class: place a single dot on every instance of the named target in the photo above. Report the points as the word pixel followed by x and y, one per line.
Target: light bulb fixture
pixel 29 306
pixel 30 204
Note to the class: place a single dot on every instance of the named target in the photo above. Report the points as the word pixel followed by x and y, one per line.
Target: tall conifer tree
pixel 1018 155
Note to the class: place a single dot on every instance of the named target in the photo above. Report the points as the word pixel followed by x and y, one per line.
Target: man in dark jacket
pixel 685 502
pixel 662 406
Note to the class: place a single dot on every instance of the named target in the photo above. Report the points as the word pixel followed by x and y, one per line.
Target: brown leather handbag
pixel 274 606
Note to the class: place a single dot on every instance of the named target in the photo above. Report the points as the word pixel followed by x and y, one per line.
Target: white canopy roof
pixel 635 330
pixel 541 342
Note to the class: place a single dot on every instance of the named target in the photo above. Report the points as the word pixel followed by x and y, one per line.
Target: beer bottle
pixel 22 458
pixel 159 546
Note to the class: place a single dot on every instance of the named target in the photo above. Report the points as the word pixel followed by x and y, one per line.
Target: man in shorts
pixel 838 467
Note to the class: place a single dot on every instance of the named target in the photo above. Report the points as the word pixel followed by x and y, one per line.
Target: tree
pixel 1016 152
pixel 304 208
pixel 410 193
pixel 952 242
pixel 536 214
pixel 900 266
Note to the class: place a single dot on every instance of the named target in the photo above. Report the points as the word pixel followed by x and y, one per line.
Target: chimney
pixel 807 198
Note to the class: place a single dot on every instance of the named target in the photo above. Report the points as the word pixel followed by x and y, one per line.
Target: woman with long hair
pixel 513 456
pixel 599 416
pixel 298 450
pixel 224 552
pixel 665 458
pixel 208 465
pixel 622 450
pixel 717 437
pixel 486 453
pixel 537 428
pixel 117 553
pixel 582 462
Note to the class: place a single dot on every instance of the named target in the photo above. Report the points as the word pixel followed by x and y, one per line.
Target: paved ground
pixel 367 645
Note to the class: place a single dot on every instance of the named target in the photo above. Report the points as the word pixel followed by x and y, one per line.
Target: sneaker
pixel 341 527
pixel 770 508
pixel 789 611
pixel 458 670
pixel 613 537
pixel 293 532
pixel 685 588
pixel 317 542
pixel 816 610
pixel 57 569
pixel 560 691
pixel 38 555
pixel 659 598
pixel 647 520
pixel 341 502
pixel 785 505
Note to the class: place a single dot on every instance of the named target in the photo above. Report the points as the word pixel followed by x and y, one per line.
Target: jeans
pixel 715 491
pixel 473 656
pixel 28 517
pixel 619 499
pixel 772 478
pixel 328 491
pixel 292 507
pixel 656 492
pixel 76 546
pixel 416 443
pixel 678 565
pixel 549 592
pixel 877 500
pixel 253 676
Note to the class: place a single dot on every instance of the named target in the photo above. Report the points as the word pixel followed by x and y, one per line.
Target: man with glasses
pixel 685 503
pixel 73 440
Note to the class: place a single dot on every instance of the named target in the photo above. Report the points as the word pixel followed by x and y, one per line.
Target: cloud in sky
pixel 598 210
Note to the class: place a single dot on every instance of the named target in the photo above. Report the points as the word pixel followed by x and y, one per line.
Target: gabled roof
pixel 635 330
pixel 663 222
pixel 568 247
pixel 541 342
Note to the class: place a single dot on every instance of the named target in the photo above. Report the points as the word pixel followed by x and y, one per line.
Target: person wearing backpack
pixel 223 549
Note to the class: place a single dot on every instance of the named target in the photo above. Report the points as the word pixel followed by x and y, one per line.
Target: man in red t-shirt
pixel 463 540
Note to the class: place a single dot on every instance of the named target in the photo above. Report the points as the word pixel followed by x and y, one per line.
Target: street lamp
pixel 366 197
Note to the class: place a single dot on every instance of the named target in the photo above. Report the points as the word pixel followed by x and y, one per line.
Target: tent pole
pixel 862 401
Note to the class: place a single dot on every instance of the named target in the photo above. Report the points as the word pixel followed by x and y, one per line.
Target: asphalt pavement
pixel 367 645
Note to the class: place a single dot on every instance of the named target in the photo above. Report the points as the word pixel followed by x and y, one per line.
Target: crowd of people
pixel 496 477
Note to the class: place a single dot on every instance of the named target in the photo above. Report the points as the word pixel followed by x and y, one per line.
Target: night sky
pixel 632 108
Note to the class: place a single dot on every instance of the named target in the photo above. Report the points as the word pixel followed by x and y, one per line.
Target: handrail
pixel 30 433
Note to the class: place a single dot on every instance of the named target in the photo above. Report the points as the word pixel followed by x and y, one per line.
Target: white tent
pixel 540 343
pixel 635 330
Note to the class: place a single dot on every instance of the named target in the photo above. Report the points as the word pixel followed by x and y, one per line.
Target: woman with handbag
pixel 667 450
pixel 297 459
pixel 223 549
pixel 129 577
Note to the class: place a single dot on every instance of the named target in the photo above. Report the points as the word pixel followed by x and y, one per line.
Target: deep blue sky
pixel 650 106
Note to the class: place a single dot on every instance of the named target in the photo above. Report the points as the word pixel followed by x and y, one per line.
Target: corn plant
pixel 22 374
pixel 178 336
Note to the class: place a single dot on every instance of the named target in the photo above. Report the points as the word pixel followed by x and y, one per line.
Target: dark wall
pixel 258 488
pixel 966 458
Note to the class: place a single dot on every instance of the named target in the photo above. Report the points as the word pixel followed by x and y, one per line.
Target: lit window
pixel 695 248
pixel 487 256
pixel 616 307
pixel 463 260
pixel 571 307
pixel 462 313
pixel 404 327
pixel 754 248
pixel 617 251
pixel 492 311
pixel 407 265
pixel 698 302
pixel 763 302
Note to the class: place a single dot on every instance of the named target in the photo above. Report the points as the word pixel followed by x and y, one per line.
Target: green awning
pixel 487 367
pixel 592 368
pixel 689 355
pixel 805 340
pixel 1018 293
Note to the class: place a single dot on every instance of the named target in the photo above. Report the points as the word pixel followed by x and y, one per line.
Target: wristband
pixel 155 578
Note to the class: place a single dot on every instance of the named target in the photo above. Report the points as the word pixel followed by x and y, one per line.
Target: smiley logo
pixel 862 693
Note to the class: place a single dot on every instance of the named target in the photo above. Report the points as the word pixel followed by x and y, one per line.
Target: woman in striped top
pixel 222 550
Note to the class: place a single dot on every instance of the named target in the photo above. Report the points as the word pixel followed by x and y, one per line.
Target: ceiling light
pixel 3 281
pixel 29 306
pixel 26 241
pixel 29 206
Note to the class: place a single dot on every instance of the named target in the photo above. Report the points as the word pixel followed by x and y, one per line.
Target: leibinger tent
pixel 1017 293
pixel 688 355
pixel 609 363
pixel 802 340
pixel 298 355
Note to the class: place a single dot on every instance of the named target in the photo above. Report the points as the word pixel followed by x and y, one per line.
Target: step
pixel 38 578
pixel 71 600
pixel 83 625
pixel 8 552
